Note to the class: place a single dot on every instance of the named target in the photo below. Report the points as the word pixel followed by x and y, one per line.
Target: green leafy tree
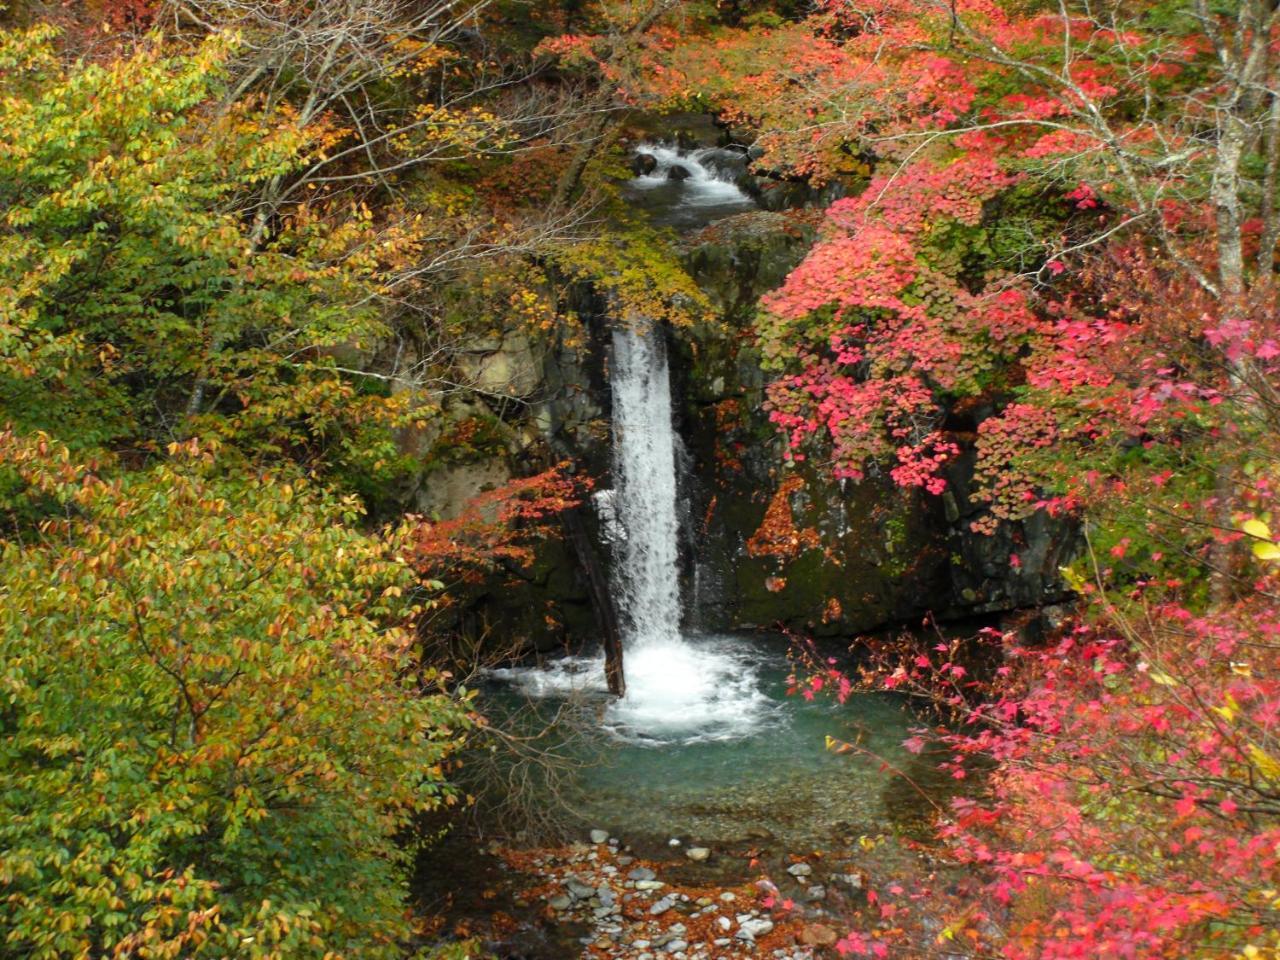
pixel 211 742
pixel 141 299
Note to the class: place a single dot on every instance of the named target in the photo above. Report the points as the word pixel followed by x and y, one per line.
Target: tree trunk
pixel 601 599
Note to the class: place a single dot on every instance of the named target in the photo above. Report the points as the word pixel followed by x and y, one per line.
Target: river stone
pixel 640 944
pixel 560 903
pixel 641 873
pixel 754 927
pixel 724 924
pixel 661 907
pixel 800 870
pixel 579 890
pixel 675 946
pixel 815 893
pixel 649 884
pixel 678 172
pixel 728 896
pixel 697 853
pixel 643 163
pixel 818 935
pixel 599 836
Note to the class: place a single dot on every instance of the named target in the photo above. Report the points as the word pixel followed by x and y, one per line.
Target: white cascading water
pixel 710 174
pixel 646 577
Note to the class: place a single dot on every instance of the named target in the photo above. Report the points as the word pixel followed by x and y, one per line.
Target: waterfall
pixel 646 576
pixel 678 689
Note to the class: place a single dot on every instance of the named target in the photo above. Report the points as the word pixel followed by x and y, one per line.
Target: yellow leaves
pixel 1267 765
pixel 1229 710
pixel 1263 546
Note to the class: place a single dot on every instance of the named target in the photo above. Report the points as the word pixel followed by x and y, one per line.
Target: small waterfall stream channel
pixel 706 813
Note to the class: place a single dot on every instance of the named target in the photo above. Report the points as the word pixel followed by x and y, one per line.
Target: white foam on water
pixel 684 692
pixel 708 184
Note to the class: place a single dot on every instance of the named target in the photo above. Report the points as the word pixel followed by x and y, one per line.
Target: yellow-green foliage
pixel 211 741
pixel 133 266
pixel 640 273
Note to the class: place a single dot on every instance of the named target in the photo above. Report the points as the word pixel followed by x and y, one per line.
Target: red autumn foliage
pixel 497 529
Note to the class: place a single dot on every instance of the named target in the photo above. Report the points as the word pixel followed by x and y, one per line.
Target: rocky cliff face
pixel 765 544
pixel 774 545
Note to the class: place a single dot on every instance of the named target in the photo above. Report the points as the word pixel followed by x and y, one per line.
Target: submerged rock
pixel 818 935
pixel 698 853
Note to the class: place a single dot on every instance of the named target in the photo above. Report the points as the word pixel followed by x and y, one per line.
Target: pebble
pixel 579 890
pixel 697 853
pixel 640 944
pixel 851 880
pixel 641 873
pixel 560 903
pixel 676 946
pixel 816 892
pixel 649 884
pixel 728 896
pixel 673 842
pixel 754 927
pixel 661 907
pixel 599 836
pixel 818 935
pixel 724 924
pixel 800 870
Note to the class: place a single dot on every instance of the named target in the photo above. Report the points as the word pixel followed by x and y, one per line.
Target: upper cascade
pixel 689 188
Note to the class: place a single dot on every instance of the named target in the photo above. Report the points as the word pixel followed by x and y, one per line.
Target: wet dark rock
pixel 678 172
pixel 643 164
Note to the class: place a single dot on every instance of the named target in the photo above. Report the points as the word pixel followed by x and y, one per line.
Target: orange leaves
pixel 777 535
pixel 497 526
